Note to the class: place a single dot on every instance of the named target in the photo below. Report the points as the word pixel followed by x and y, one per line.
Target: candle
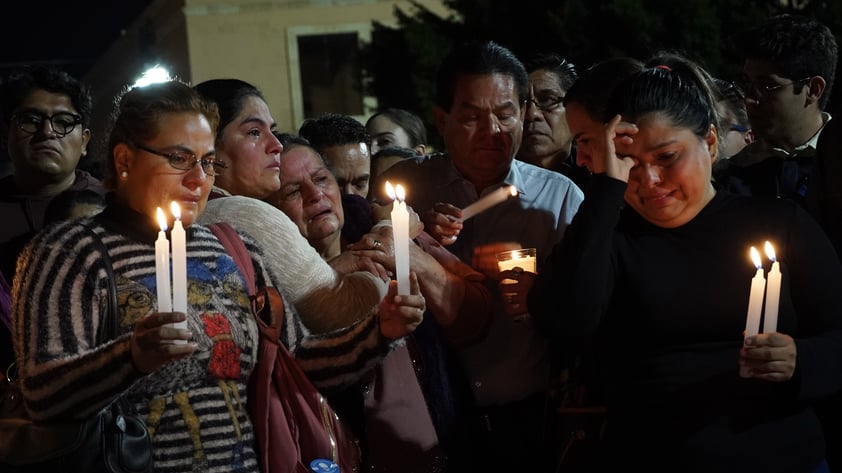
pixel 773 292
pixel 400 234
pixel 755 301
pixel 523 259
pixel 179 267
pixel 489 200
pixel 162 265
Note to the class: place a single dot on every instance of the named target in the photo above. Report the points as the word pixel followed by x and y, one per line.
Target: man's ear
pixel 86 139
pixel 815 89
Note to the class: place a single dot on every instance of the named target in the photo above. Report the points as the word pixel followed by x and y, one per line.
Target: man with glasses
pixel 481 89
pixel 44 122
pixel 44 116
pixel 790 63
pixel 546 137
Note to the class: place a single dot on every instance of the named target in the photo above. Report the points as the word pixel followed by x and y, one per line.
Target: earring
pixel 124 175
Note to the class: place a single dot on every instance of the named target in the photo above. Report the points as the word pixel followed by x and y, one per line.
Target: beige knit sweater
pixel 325 299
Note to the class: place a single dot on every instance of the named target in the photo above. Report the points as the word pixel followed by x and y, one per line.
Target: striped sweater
pixel 194 408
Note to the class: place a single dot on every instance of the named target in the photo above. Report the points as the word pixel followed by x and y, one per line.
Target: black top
pixel 667 309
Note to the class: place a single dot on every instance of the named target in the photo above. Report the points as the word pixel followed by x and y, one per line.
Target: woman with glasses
pixel 655 268
pixel 326 300
pixel 735 129
pixel 189 384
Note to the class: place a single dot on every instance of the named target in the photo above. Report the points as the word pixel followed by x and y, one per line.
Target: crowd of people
pixel 640 184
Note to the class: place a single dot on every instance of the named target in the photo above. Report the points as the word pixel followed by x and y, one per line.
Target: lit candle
pixel 773 292
pixel 400 234
pixel 755 302
pixel 489 200
pixel 179 267
pixel 162 265
pixel 523 259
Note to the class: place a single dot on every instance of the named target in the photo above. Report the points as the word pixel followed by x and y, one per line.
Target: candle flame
pixel 755 258
pixel 399 193
pixel 390 191
pixel 770 251
pixel 176 210
pixel 162 220
pixel 513 190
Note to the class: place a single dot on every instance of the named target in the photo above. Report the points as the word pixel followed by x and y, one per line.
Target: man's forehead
pixel 754 68
pixel 40 99
pixel 350 151
pixel 543 79
pixel 483 83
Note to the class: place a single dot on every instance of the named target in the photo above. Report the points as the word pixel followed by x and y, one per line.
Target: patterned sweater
pixel 194 408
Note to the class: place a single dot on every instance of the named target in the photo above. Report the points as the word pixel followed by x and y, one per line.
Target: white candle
pixel 162 265
pixel 773 292
pixel 400 234
pixel 179 267
pixel 755 300
pixel 489 200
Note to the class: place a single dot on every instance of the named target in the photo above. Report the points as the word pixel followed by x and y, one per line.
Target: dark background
pixel 69 34
pixel 401 62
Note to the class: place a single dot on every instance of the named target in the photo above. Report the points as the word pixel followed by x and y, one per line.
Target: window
pixel 327 72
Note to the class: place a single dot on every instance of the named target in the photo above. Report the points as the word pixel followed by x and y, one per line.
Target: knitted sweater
pixel 194 408
pixel 325 300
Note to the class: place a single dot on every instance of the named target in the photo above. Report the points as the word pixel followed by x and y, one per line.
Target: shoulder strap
pixel 232 242
pixel 110 326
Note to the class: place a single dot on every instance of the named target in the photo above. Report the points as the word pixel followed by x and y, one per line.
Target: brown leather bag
pixel 293 423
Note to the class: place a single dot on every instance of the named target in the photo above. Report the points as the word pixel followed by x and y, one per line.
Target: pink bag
pixel 293 423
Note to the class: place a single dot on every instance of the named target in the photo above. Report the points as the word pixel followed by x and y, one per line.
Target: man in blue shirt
pixel 479 112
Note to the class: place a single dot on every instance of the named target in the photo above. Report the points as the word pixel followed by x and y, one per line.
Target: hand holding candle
pixel 162 265
pixel 489 200
pixel 400 229
pixel 521 260
pixel 179 267
pixel 773 292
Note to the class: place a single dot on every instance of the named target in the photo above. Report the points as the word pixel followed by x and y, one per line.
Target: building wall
pixel 158 36
pixel 252 40
pixel 256 41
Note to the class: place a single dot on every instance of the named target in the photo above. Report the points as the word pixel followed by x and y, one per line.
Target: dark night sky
pixel 70 34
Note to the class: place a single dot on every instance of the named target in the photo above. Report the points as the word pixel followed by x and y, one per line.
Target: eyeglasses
pixel 545 104
pixel 738 128
pixel 753 89
pixel 185 161
pixel 62 123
